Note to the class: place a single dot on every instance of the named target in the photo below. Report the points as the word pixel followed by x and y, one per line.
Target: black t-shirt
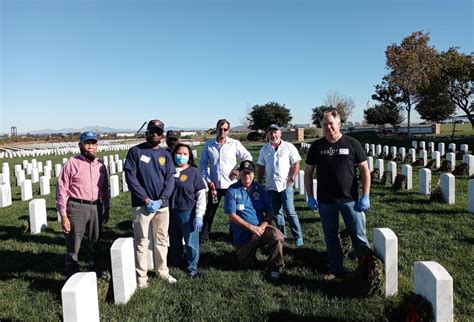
pixel 335 168
pixel 186 184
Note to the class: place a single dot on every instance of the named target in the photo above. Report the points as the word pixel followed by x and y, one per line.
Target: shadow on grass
pixel 307 257
pixel 19 262
pixel 310 220
pixel 344 287
pixel 285 315
pixel 226 261
pixel 19 234
pixel 416 211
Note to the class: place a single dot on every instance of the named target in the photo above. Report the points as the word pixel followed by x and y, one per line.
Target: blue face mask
pixel 181 159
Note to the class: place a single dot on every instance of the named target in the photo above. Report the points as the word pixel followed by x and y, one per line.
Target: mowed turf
pixel 32 265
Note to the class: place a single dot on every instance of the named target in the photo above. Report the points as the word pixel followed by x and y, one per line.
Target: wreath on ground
pixel 371 273
pixel 413 308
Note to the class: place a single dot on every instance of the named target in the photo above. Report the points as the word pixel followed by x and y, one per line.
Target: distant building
pixel 188 133
pixel 125 135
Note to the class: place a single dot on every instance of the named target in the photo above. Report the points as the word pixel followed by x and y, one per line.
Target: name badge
pixel 344 151
pixel 145 159
pixel 240 207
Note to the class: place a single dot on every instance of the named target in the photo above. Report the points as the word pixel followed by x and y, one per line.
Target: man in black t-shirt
pixel 336 157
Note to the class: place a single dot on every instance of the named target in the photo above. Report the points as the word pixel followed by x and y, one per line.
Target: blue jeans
pixel 355 225
pixel 181 226
pixel 284 199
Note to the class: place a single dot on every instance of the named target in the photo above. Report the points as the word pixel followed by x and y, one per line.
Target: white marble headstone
pixel 451 157
pixel 125 185
pixel 402 153
pixel 38 218
pixel 452 147
pixel 464 148
pixel 407 172
pixel 436 155
pixel 434 283
pixel 370 163
pixel 386 247
pixel 441 148
pixel 57 169
pixel 114 186
pixel 412 154
pixel 44 186
pixel 26 190
pixel 5 195
pixel 392 167
pixel 447 186
pixel 425 181
pixel 122 257
pixel 470 196
pixel 379 164
pixel 422 145
pixel 424 157
pixel 301 175
pixel 80 298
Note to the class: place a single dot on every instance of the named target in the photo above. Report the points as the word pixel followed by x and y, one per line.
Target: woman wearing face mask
pixel 187 207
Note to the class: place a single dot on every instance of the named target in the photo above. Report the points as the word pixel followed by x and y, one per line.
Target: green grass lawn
pixel 32 265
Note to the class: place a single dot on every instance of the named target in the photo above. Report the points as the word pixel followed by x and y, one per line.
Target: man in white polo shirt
pixel 220 155
pixel 279 161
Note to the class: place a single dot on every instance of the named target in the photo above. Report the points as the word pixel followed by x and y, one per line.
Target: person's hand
pixel 234 174
pixel 65 224
pixel 211 185
pixel 312 203
pixel 106 215
pixel 197 223
pixel 257 230
pixel 363 204
pixel 154 206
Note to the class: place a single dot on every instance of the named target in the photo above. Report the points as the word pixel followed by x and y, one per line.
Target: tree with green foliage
pixel 457 69
pixel 382 114
pixel 435 104
pixel 262 116
pixel 411 65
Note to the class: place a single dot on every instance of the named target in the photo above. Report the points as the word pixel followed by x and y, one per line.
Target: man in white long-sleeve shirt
pixel 221 155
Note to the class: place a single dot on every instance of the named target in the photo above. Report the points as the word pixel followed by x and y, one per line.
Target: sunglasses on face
pixel 157 132
pixel 223 130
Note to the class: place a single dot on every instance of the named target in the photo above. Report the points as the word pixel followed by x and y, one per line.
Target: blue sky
pixel 119 63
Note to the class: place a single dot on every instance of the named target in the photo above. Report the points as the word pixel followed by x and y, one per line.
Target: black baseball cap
pixel 247 166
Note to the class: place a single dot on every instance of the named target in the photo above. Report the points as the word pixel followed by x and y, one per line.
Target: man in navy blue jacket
pixel 149 172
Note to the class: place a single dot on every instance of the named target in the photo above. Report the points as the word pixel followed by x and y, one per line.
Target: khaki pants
pixel 141 222
pixel 272 240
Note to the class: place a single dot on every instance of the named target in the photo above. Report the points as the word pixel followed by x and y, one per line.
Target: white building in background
pixel 125 135
pixel 188 133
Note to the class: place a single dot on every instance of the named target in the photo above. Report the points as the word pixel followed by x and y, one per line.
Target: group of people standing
pixel 168 192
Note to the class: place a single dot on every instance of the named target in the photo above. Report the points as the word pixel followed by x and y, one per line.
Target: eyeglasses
pixel 157 132
pixel 223 130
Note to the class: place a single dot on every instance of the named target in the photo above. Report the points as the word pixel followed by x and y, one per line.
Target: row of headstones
pixel 59 149
pixel 431 280
pixel 377 149
pixel 36 167
pixel 447 182
pixel 65 148
pixel 435 156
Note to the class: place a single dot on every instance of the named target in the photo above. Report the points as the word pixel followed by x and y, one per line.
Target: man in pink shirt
pixel 82 199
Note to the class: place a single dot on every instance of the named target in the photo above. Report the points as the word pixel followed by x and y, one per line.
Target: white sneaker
pixel 170 279
pixel 143 285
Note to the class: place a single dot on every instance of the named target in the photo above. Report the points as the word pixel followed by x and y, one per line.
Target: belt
pixel 88 202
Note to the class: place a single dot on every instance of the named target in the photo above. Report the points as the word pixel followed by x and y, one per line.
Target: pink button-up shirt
pixel 82 179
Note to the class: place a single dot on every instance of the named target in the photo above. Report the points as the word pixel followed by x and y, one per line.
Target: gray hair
pixel 332 112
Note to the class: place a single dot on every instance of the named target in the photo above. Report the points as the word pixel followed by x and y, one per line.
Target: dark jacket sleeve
pixel 130 168
pixel 169 179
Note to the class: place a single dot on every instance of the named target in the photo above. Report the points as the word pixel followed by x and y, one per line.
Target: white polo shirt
pixel 221 160
pixel 278 164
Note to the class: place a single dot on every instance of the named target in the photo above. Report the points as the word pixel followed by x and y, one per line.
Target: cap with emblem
pixel 172 134
pixel 156 125
pixel 273 127
pixel 88 136
pixel 247 166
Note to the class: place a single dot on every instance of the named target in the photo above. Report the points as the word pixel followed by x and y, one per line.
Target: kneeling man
pixel 249 209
